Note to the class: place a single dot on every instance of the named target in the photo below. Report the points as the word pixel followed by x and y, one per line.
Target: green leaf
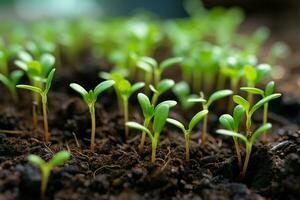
pixel 78 88
pixel 31 88
pixel 196 100
pixel 124 87
pixel 263 101
pixel 227 121
pixel 47 60
pixel 49 80
pixel 135 87
pixel 5 80
pixel 169 62
pixel 176 123
pixel 170 103
pixel 140 127
pixel 36 160
pixel 144 65
pixel 197 118
pixel 22 65
pixel 181 89
pixel 59 158
pixel 250 73
pixel 153 89
pixel 34 68
pixel 237 116
pixel 150 61
pixel 269 88
pixel 263 70
pixel 24 56
pixel 103 86
pixel 165 85
pixel 145 104
pixel 241 101
pixel 261 130
pixel 253 90
pixel 218 95
pixel 160 115
pixel 233 134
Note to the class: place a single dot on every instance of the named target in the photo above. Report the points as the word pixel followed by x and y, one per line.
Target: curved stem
pixel 93 127
pixel 154 99
pixel 45 115
pixel 187 146
pixel 125 107
pixel 238 153
pixel 265 120
pixel 204 130
pixel 248 153
pixel 143 137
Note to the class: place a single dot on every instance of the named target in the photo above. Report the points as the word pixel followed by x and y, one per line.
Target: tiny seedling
pixel 187 132
pixel 254 75
pixel 148 113
pixel 125 90
pixel 46 167
pixel 160 116
pixel 90 99
pixel 248 141
pixel 161 88
pixel 206 104
pixel 43 94
pixel 249 111
pixel 263 93
pixel 150 65
pixel 11 81
pixel 232 123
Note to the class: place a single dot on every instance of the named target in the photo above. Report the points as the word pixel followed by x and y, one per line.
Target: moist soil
pixel 116 170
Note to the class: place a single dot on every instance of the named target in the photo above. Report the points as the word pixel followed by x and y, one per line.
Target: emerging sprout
pixel 161 88
pixel 148 113
pixel 182 92
pixel 263 93
pixel 43 94
pixel 248 142
pixel 90 99
pixel 206 104
pixel 149 65
pixel 160 115
pixel 233 124
pixel 194 121
pixel 46 167
pixel 11 81
pixel 249 111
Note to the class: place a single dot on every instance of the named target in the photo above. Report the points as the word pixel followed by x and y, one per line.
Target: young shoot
pixel 46 167
pixel 248 141
pixel 206 105
pixel 90 99
pixel 187 132
pixel 160 116
pixel 148 113
pixel 11 81
pixel 232 123
pixel 254 75
pixel 161 88
pixel 263 93
pixel 150 65
pixel 249 110
pixel 43 94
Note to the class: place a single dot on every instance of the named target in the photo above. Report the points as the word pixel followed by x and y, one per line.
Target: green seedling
pixel 3 62
pixel 148 113
pixel 160 116
pixel 36 71
pixel 232 123
pixel 263 93
pixel 90 99
pixel 11 81
pixel 43 94
pixel 254 75
pixel 149 65
pixel 248 141
pixel 249 110
pixel 187 132
pixel 124 89
pixel 206 105
pixel 182 91
pixel 46 167
pixel 161 88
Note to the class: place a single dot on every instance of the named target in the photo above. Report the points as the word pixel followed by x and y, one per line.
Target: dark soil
pixel 117 171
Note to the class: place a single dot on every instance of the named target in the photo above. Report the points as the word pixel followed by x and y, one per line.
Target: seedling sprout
pixel 11 81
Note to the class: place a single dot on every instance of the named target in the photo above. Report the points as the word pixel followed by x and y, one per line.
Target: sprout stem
pixel 204 130
pixel 34 115
pixel 46 131
pixel 125 107
pixel 187 146
pixel 238 154
pixel 248 153
pixel 45 178
pixel 154 99
pixel 93 127
pixel 265 120
pixel 143 137
pixel 153 155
